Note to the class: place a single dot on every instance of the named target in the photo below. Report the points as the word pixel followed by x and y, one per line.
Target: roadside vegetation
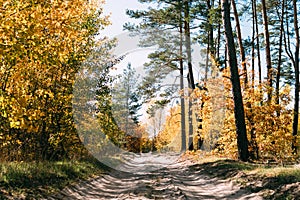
pixel 32 180
pixel 270 180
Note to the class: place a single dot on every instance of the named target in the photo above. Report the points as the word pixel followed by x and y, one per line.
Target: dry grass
pixel 271 181
pixel 32 180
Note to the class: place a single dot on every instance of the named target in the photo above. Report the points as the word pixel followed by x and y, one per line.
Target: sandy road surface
pixel 178 180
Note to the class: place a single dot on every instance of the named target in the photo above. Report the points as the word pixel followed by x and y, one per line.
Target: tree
pixel 190 74
pixel 256 29
pixel 240 42
pixel 267 47
pixel 242 141
pixel 42 46
pixel 126 102
pixel 297 85
pixel 278 74
pixel 182 102
pixel 169 56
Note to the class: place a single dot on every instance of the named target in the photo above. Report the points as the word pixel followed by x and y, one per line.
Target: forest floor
pixel 192 179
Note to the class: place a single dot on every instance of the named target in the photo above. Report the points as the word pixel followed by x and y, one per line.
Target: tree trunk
pixel 242 141
pixel 182 102
pixel 240 41
pixel 206 61
pixel 253 47
pixel 219 39
pixel 268 51
pixel 212 49
pixel 190 68
pixel 257 43
pixel 296 66
pixel 188 43
pixel 253 143
pixel 280 54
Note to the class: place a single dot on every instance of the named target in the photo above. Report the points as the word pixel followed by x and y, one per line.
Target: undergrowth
pixel 31 180
pixel 272 181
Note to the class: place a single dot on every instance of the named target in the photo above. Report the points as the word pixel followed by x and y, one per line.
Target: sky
pixel 117 11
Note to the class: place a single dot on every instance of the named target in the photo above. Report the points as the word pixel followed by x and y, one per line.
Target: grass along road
pixel 190 178
pixel 35 180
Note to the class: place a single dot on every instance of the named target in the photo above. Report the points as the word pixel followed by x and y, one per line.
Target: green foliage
pixel 126 100
pixel 117 118
pixel 92 100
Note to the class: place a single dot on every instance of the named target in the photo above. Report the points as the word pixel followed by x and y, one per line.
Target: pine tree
pixel 242 141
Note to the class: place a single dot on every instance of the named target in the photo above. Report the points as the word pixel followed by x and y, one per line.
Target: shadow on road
pixel 181 180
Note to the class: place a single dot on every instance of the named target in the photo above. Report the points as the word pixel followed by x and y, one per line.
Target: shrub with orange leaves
pixel 269 125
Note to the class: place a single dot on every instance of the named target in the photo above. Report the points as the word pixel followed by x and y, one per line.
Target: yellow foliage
pixel 268 124
pixel 42 43
pixel 170 131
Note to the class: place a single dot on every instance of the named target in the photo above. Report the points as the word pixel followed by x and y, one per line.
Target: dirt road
pixel 179 180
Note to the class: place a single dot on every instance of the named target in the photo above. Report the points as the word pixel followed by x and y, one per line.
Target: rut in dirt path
pixel 180 180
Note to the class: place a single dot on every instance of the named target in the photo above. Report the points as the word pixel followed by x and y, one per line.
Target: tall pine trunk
pixel 267 48
pixel 190 68
pixel 242 141
pixel 253 48
pixel 278 74
pixel 211 49
pixel 182 102
pixel 240 42
pixel 218 39
pixel 296 66
pixel 257 43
